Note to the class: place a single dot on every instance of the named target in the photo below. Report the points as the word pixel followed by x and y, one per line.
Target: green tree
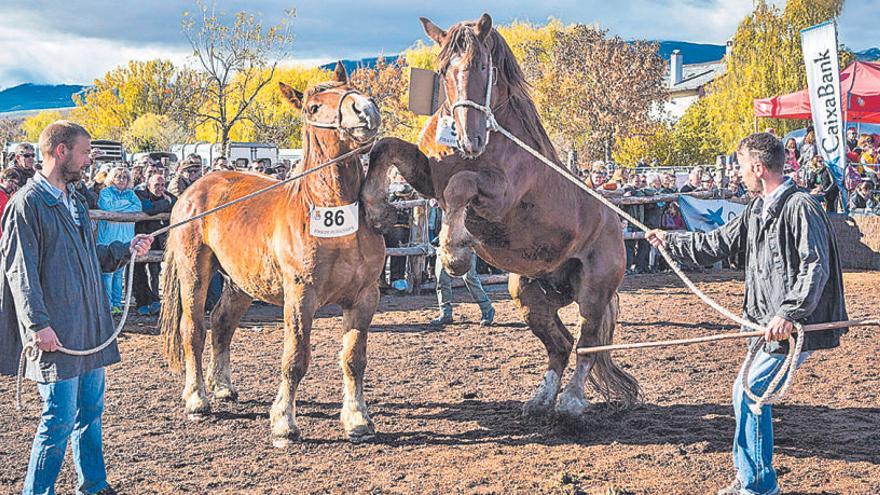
pixel 33 126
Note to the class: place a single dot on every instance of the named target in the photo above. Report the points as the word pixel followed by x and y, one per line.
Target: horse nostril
pixel 478 142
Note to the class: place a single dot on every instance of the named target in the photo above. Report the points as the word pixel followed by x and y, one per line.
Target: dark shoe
pixel 107 490
pixel 155 308
pixel 734 488
pixel 143 311
pixel 443 319
pixel 487 318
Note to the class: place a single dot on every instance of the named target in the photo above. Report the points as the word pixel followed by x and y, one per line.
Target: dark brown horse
pixel 560 244
pixel 277 248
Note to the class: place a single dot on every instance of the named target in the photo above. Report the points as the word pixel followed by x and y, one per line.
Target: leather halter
pixel 337 123
pixel 486 108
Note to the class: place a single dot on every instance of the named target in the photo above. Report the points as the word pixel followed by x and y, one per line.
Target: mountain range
pixel 29 97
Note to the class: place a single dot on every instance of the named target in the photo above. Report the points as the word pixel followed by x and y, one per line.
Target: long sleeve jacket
pixel 792 266
pixel 51 277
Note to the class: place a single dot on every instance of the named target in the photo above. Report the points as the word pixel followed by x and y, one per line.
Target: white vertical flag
pixel 823 82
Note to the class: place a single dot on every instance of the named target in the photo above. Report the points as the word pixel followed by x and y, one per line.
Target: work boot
pixel 445 318
pixel 488 317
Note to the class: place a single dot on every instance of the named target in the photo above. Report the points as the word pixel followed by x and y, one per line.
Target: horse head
pixel 336 107
pixel 467 69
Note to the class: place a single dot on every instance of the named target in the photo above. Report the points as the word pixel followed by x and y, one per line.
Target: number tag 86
pixel 333 221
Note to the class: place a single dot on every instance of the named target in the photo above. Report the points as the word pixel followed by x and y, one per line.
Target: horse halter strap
pixel 337 123
pixel 491 124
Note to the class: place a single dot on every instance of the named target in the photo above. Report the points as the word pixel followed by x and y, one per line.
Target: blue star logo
pixel 713 217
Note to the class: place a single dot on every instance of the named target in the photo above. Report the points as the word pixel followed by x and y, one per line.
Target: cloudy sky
pixel 75 41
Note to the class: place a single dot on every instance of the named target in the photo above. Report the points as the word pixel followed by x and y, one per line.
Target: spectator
pixel 695 181
pixel 869 160
pixel 859 199
pixel 637 251
pixel 281 171
pixel 792 155
pixel 597 177
pixel 187 172
pixel 735 186
pixel 100 179
pixel 653 214
pixel 137 174
pixel 221 163
pixel 399 190
pixel 852 140
pixel 865 141
pixel 118 197
pixel 474 287
pixel 852 179
pixel 808 147
pixel 154 200
pixel 618 181
pixel 9 180
pixel 149 171
pixel 672 219
pixel 821 184
pixel 25 157
pixel 668 181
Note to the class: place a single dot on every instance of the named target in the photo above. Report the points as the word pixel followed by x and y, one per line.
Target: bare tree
pixel 592 88
pixel 10 132
pixel 238 61
pixel 387 84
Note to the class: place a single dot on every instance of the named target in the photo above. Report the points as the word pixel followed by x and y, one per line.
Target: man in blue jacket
pixel 792 275
pixel 51 294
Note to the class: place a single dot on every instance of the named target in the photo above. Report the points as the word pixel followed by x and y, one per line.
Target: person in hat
pixel 188 172
pixel 24 162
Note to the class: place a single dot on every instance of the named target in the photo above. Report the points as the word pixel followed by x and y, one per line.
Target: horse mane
pixel 464 41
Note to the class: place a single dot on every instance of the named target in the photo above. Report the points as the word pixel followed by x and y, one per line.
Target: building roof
pixel 695 76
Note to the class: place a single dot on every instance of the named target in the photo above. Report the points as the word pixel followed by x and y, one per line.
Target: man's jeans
pixel 71 408
pixel 753 440
pixel 471 282
pixel 113 283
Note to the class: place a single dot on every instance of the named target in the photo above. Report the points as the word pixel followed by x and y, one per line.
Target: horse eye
pixel 313 108
pixel 483 67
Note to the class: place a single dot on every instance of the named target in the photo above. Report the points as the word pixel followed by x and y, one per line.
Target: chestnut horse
pixel 268 251
pixel 560 245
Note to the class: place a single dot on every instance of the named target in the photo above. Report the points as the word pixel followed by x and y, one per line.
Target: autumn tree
pixel 766 60
pixel 237 60
pixel 152 132
pixel 388 85
pixel 126 92
pixel 34 125
pixel 592 88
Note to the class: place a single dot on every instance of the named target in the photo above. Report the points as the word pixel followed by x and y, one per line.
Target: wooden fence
pixel 419 246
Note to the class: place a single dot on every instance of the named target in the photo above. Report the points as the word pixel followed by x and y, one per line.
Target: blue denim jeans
pixel 113 282
pixel 71 409
pixel 753 440
pixel 471 282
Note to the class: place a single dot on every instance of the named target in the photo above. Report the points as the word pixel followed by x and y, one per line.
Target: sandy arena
pixel 446 404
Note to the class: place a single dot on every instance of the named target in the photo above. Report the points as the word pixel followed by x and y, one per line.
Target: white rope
pixel 795 342
pixel 31 352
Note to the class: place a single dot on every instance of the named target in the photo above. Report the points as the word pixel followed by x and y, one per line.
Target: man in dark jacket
pixel 792 275
pixel 51 295
pixel 154 200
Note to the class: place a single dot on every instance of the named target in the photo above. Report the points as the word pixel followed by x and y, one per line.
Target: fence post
pixel 418 237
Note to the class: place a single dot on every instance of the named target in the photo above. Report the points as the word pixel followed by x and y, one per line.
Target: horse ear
pixel 433 31
pixel 340 74
pixel 484 25
pixel 292 96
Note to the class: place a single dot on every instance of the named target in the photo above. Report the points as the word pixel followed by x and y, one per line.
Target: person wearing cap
pixel 24 160
pixel 9 179
pixel 188 172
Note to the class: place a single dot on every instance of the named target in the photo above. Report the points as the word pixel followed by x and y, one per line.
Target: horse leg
pixel 194 278
pixel 413 166
pixel 299 310
pixel 455 240
pixel 353 360
pixel 540 314
pixel 233 303
pixel 598 305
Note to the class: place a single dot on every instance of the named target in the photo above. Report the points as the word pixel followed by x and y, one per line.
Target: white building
pixel 687 83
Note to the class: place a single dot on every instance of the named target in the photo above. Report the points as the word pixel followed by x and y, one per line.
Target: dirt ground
pixel 447 408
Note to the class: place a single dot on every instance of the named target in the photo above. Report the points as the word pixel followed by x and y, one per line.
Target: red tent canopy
pixel 859 84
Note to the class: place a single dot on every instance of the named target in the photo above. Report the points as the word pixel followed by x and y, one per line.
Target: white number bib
pixel 446 134
pixel 333 221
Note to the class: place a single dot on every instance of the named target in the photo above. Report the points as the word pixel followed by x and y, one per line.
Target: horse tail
pixel 169 318
pixel 608 379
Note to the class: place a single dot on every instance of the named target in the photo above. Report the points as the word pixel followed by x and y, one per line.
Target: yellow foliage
pixel 151 132
pixel 33 126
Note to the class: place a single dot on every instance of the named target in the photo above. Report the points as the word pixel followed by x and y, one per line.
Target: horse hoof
pixel 571 408
pixel 362 433
pixel 537 410
pixel 226 394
